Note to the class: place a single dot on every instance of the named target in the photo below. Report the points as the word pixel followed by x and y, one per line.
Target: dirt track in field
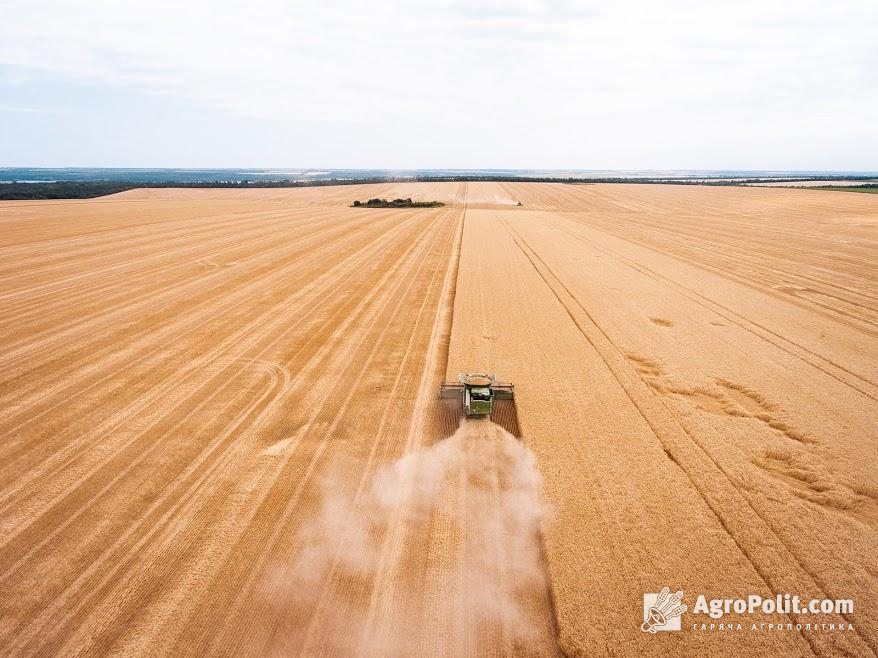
pixel 220 434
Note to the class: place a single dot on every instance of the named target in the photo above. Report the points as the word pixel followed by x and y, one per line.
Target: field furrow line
pixel 129 252
pixel 139 305
pixel 207 314
pixel 77 594
pixel 394 412
pixel 822 363
pixel 305 296
pixel 287 508
pixel 168 262
pixel 361 303
pixel 713 482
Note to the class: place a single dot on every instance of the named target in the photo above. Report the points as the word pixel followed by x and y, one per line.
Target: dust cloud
pixel 369 579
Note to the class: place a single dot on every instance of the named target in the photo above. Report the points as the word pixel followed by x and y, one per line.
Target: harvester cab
pixel 477 392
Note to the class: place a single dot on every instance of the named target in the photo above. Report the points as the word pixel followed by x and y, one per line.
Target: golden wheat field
pixel 221 434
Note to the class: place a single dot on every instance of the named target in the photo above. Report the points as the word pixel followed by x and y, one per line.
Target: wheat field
pixel 221 432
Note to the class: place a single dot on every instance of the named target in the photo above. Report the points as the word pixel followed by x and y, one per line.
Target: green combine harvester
pixel 477 392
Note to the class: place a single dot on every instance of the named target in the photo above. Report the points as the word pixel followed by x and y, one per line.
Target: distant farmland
pixel 222 435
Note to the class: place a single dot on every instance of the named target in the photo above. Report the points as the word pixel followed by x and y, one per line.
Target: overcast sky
pixel 506 84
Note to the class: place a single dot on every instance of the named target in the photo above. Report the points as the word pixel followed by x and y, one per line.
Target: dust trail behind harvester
pixel 470 580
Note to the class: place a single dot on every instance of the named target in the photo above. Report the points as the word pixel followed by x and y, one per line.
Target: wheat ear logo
pixel 661 612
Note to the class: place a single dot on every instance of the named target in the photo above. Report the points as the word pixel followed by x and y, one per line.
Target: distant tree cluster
pixel 872 188
pixel 65 190
pixel 397 203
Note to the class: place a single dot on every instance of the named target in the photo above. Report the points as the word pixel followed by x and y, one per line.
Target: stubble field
pixel 221 433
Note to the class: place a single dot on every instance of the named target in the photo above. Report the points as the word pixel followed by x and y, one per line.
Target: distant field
pixel 870 190
pixel 830 184
pixel 221 432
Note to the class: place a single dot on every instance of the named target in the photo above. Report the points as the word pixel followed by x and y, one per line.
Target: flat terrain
pixel 220 431
pixel 815 183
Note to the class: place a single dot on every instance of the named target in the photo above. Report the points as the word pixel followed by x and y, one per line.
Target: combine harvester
pixel 481 396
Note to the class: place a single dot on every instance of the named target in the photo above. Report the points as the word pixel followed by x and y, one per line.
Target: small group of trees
pixel 397 203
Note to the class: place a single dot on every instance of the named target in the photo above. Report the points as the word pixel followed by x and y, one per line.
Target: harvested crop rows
pixel 220 431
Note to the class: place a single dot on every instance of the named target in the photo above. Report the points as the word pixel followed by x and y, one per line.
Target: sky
pixel 532 84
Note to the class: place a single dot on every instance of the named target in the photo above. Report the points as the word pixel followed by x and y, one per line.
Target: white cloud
pixel 584 77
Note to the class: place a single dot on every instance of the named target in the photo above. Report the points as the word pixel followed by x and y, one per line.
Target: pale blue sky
pixel 393 84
